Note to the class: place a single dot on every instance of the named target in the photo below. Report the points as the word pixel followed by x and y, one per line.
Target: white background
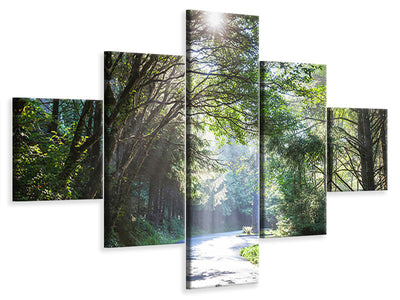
pixel 54 250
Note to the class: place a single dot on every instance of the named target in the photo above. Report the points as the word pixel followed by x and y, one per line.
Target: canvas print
pixel 357 149
pixel 293 133
pixel 144 149
pixel 222 149
pixel 57 149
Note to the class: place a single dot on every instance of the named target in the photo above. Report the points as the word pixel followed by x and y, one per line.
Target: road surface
pixel 214 260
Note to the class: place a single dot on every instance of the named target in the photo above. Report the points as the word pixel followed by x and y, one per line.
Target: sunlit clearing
pixel 214 20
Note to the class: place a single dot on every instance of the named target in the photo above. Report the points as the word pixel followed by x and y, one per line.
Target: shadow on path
pixel 214 260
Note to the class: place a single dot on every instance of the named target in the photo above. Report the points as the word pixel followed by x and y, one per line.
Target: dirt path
pixel 214 260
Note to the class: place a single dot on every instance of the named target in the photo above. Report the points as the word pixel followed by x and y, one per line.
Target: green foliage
pixel 222 80
pixel 142 233
pixel 293 99
pixel 222 121
pixel 40 154
pixel 358 149
pixel 251 253
pixel 247 230
pixel 139 232
pixel 227 194
pixel 144 158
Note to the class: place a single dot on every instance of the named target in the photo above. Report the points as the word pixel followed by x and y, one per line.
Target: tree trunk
pixel 383 140
pixel 18 141
pixel 76 151
pixel 95 158
pixel 329 150
pixel 53 126
pixel 154 194
pixel 256 202
pixel 366 150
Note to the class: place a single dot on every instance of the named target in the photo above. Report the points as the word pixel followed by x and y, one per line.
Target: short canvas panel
pixel 357 149
pixel 222 149
pixel 144 149
pixel 293 133
pixel 57 149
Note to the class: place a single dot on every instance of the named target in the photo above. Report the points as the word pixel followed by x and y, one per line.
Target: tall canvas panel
pixel 357 149
pixel 144 149
pixel 222 149
pixel 57 149
pixel 293 133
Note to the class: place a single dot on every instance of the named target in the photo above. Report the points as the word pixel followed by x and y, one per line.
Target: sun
pixel 214 20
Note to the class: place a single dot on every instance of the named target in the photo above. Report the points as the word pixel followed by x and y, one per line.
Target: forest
pixel 356 149
pixel 144 150
pixel 57 149
pixel 292 140
pixel 222 122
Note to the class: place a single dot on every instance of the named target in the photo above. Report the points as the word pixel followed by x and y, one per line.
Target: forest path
pixel 214 260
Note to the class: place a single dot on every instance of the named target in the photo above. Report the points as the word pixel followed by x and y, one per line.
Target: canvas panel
pixel 222 149
pixel 293 133
pixel 357 149
pixel 57 149
pixel 144 149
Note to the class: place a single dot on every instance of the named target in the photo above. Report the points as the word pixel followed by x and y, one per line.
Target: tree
pixel 78 146
pixel 329 150
pixel 52 139
pixel 222 74
pixel 222 121
pixel 357 138
pixel 293 148
pixel 144 146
